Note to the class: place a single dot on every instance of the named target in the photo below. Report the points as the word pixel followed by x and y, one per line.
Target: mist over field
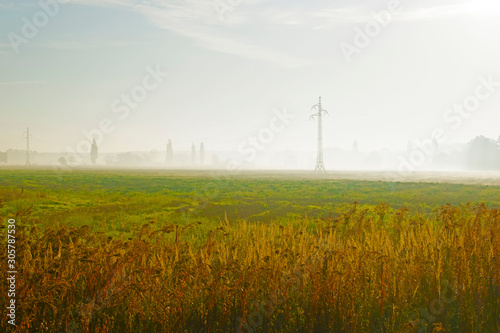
pixel 408 87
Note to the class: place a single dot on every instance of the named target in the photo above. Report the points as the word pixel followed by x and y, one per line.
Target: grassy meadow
pixel 171 251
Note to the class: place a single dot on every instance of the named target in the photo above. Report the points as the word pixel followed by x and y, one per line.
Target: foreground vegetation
pixel 145 261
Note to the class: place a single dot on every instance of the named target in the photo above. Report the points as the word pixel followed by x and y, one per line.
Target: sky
pixel 235 73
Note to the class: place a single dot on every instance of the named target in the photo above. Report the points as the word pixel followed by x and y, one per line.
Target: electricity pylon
pixel 320 167
pixel 27 137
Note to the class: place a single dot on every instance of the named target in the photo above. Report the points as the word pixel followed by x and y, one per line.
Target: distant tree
pixel 482 154
pixel 93 152
pixel 202 153
pixel 170 152
pixel 193 154
pixel 3 157
pixel 355 148
pixel 63 161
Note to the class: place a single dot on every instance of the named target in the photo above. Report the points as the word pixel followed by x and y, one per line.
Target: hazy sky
pixel 232 63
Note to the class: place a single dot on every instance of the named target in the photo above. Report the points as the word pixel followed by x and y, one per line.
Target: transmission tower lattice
pixel 320 167
pixel 27 137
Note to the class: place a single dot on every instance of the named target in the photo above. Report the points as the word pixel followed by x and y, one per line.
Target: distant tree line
pixel 483 154
pixel 170 153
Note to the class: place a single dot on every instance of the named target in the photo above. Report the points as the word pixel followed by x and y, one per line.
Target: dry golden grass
pixel 369 270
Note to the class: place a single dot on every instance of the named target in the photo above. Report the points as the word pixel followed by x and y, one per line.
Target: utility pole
pixel 320 167
pixel 27 137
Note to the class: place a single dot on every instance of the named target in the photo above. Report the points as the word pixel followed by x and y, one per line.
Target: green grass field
pixel 149 250
pixel 94 197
